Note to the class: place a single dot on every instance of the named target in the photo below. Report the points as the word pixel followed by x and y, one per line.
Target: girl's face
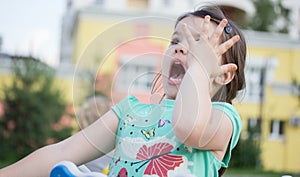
pixel 175 60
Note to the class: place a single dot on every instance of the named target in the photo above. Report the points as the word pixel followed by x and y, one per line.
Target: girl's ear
pixel 227 75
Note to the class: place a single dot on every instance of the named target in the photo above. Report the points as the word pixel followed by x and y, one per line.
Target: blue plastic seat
pixel 69 169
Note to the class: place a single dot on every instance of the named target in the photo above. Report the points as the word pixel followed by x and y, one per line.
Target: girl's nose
pixel 180 50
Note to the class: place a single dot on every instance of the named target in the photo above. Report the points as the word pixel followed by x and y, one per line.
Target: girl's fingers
pixel 189 37
pixel 205 27
pixel 221 49
pixel 215 37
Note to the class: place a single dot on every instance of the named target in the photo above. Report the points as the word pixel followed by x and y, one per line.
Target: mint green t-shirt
pixel 146 144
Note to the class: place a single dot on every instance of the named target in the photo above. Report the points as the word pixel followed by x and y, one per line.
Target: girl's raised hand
pixel 207 51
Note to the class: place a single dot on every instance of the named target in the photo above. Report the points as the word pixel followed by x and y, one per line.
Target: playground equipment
pixel 69 169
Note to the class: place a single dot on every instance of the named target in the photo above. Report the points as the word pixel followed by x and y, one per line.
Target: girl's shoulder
pixel 227 108
pixel 231 113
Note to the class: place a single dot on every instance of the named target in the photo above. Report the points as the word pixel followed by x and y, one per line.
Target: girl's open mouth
pixel 176 74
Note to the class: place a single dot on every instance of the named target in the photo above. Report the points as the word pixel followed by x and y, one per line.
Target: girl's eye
pixel 174 41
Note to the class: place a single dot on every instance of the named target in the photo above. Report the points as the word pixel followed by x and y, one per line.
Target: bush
pixel 246 154
pixel 31 107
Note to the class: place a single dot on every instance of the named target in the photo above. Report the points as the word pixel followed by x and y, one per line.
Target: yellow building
pixel 270 101
pixel 105 41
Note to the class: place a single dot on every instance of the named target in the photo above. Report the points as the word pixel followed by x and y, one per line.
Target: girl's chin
pixel 171 97
pixel 171 93
pixel 170 90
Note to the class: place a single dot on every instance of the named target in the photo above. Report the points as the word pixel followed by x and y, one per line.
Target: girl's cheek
pixel 166 66
pixel 167 56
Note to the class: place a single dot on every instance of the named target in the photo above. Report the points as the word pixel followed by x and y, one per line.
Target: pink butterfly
pixel 161 122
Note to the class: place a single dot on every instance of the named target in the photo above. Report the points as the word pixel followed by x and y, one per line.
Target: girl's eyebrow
pixel 175 33
pixel 195 34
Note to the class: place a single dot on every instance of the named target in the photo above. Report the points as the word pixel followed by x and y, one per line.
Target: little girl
pixel 194 128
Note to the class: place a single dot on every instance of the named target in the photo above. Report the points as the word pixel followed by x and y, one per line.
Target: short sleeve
pixel 231 112
pixel 123 107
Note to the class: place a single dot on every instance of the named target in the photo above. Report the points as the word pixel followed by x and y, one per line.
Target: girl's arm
pixel 193 108
pixel 195 122
pixel 86 145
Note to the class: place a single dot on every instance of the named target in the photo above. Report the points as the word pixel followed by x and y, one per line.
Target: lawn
pixel 255 173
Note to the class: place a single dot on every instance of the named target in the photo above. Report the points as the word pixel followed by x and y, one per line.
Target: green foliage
pixel 246 154
pixel 238 172
pixel 270 16
pixel 32 106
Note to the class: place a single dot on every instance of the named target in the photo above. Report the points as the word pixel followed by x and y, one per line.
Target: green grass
pixel 255 173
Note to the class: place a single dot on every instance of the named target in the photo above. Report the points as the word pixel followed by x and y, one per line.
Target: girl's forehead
pixel 192 20
pixel 194 23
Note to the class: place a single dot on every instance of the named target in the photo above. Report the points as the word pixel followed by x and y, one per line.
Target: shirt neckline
pixel 163 102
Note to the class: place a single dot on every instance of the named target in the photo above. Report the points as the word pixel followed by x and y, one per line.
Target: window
pixel 254 73
pixel 277 129
pixel 253 128
pixel 258 73
pixel 254 85
pixel 254 125
pixel 136 74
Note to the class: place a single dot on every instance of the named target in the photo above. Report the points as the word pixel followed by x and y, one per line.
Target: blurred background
pixel 55 55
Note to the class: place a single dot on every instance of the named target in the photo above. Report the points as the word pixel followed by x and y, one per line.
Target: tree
pixel 247 152
pixel 31 107
pixel 270 16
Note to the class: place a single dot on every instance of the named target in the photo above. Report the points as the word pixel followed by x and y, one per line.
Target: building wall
pixel 281 55
pixel 102 41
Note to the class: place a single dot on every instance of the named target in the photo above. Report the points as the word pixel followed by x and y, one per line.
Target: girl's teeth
pixel 176 80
